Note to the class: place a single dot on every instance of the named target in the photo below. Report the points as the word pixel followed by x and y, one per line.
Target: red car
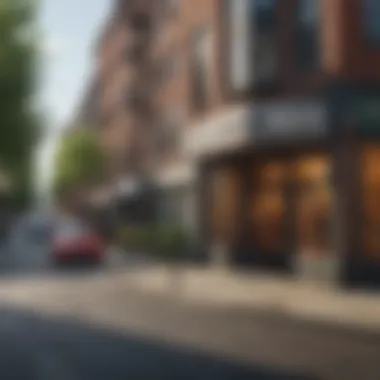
pixel 74 241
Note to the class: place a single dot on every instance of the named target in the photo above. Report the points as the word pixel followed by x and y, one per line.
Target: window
pixel 265 41
pixel 251 31
pixel 370 187
pixel 313 204
pixel 201 48
pixel 225 188
pixel 372 20
pixel 264 12
pixel 268 206
pixel 307 29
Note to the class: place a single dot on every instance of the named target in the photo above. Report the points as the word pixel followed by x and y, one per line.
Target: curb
pixel 272 310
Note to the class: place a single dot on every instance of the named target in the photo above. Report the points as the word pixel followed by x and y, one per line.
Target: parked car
pixel 74 241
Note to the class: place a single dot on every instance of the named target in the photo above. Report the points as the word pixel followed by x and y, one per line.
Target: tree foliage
pixel 79 162
pixel 19 125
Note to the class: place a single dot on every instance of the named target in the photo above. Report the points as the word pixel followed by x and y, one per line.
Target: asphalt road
pixel 86 324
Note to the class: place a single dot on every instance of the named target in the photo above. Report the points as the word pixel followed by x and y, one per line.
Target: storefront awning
pixel 252 124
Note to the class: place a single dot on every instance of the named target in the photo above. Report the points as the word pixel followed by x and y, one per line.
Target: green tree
pixel 80 161
pixel 19 124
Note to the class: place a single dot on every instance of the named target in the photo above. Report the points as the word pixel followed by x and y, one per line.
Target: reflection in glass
pixel 313 203
pixel 268 206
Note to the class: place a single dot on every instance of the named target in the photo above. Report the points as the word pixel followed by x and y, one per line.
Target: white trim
pixel 247 124
pixel 226 131
pixel 175 176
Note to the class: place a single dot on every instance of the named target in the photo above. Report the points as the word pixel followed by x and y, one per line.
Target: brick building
pixel 276 103
pixel 259 122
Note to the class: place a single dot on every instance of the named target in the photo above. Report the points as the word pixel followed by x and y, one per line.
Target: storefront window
pixel 268 206
pixel 225 194
pixel 313 204
pixel 371 201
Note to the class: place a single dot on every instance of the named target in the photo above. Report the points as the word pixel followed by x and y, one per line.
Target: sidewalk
pixel 262 292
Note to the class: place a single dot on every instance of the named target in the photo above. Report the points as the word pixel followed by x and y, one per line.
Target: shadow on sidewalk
pixel 36 347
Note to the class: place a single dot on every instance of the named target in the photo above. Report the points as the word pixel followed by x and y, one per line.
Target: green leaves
pixel 19 126
pixel 79 162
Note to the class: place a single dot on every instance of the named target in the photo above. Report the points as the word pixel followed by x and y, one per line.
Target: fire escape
pixel 137 17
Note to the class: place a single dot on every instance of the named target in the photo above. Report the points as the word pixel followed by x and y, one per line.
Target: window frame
pixel 307 29
pixel 370 19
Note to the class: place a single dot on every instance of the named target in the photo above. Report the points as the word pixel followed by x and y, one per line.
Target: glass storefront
pixel 268 206
pixel 313 204
pixel 290 207
pixel 225 195
pixel 370 188
pixel 296 195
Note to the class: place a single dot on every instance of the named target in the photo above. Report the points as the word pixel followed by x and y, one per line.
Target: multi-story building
pixel 120 59
pixel 173 172
pixel 258 121
pixel 276 101
pixel 87 115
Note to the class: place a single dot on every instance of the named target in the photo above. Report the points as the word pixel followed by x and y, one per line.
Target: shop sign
pixel 292 120
pixel 227 131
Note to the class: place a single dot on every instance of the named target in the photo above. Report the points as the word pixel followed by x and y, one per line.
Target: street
pixel 87 324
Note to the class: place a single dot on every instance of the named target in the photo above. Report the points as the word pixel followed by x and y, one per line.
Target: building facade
pixel 282 126
pixel 258 121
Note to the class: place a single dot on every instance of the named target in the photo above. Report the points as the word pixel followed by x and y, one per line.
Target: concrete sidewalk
pixel 257 291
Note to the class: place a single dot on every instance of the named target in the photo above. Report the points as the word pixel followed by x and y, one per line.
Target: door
pixel 269 212
pixel 225 196
pixel 367 260
pixel 313 201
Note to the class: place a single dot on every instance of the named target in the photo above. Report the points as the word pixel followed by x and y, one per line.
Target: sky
pixel 69 29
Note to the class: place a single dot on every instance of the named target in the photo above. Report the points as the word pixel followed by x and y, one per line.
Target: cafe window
pixel 371 20
pixel 313 203
pixel 225 194
pixel 370 186
pixel 268 205
pixel 307 38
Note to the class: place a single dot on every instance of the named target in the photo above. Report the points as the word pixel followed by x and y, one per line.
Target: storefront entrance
pixel 269 208
pixel 223 214
pixel 364 268
pixel 284 202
